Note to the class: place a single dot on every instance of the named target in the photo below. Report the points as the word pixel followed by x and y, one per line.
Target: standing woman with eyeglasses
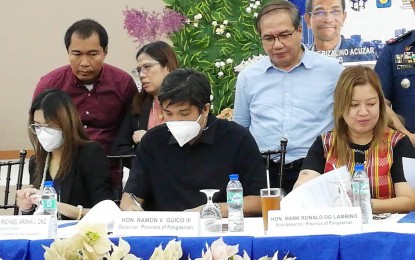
pixel 65 155
pixel 154 61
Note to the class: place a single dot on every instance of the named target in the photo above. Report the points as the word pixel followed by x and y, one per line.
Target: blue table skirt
pixel 303 247
pixel 14 249
pixel 377 245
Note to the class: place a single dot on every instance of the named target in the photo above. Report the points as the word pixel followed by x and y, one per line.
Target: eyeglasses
pixel 38 128
pixel 321 13
pixel 145 68
pixel 282 38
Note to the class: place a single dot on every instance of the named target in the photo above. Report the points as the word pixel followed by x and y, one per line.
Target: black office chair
pixel 8 166
pixel 121 160
pixel 282 151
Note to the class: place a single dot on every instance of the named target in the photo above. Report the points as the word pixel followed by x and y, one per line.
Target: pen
pixel 135 200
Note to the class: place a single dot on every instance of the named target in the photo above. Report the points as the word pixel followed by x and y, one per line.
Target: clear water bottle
pixel 235 199
pixel 49 203
pixel 361 193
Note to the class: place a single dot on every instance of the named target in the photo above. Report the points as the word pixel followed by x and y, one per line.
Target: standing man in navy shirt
pixel 102 93
pixel 396 70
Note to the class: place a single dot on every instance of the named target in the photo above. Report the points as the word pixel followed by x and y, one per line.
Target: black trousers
pixel 290 174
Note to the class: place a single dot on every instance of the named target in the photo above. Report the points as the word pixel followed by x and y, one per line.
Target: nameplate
pixel 339 221
pixel 156 223
pixel 24 227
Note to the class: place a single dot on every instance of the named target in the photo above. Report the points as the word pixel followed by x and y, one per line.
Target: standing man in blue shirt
pixel 288 94
pixel 396 70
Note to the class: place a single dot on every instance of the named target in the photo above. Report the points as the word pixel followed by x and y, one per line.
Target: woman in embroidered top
pixel 64 154
pixel 154 61
pixel 361 135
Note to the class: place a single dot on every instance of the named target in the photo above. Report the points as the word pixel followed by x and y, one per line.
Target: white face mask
pixel 50 138
pixel 184 131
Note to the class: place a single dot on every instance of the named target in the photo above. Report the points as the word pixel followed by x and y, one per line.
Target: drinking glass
pixel 270 200
pixel 210 216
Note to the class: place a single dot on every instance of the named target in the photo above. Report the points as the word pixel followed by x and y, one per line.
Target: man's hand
pixel 130 204
pixel 138 135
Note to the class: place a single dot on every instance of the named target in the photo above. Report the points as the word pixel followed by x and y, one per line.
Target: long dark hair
pixel 59 111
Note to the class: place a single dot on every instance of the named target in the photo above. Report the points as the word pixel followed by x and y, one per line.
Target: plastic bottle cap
pixel 234 176
pixel 359 167
pixel 48 183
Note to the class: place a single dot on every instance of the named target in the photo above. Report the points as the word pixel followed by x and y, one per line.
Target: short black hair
pixel 185 86
pixel 85 28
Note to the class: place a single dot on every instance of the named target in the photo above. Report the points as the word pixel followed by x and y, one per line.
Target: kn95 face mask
pixel 184 131
pixel 50 138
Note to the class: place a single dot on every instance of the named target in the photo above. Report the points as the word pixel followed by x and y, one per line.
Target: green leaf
pixel 201 47
pixel 217 16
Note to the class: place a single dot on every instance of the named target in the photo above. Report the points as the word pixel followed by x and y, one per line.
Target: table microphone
pixel 282 151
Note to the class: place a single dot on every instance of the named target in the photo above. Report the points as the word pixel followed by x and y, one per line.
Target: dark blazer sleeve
pixel 123 143
pixel 94 168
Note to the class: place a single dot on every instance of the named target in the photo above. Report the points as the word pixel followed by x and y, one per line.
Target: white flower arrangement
pixel 221 251
pixel 275 257
pixel 92 242
pixel 173 251
pixel 241 66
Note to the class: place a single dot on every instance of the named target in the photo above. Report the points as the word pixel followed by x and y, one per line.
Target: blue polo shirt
pixel 296 104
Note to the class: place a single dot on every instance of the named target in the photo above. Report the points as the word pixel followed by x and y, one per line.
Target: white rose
pixel 220 74
pixel 217 64
pixel 222 26
pixel 195 24
pixel 248 9
pixel 257 3
pixel 229 60
pixel 225 22
pixel 255 15
pixel 214 23
pixel 222 64
pixel 228 35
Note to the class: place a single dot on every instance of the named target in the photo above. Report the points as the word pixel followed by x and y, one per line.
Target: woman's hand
pixel 138 135
pixel 26 198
